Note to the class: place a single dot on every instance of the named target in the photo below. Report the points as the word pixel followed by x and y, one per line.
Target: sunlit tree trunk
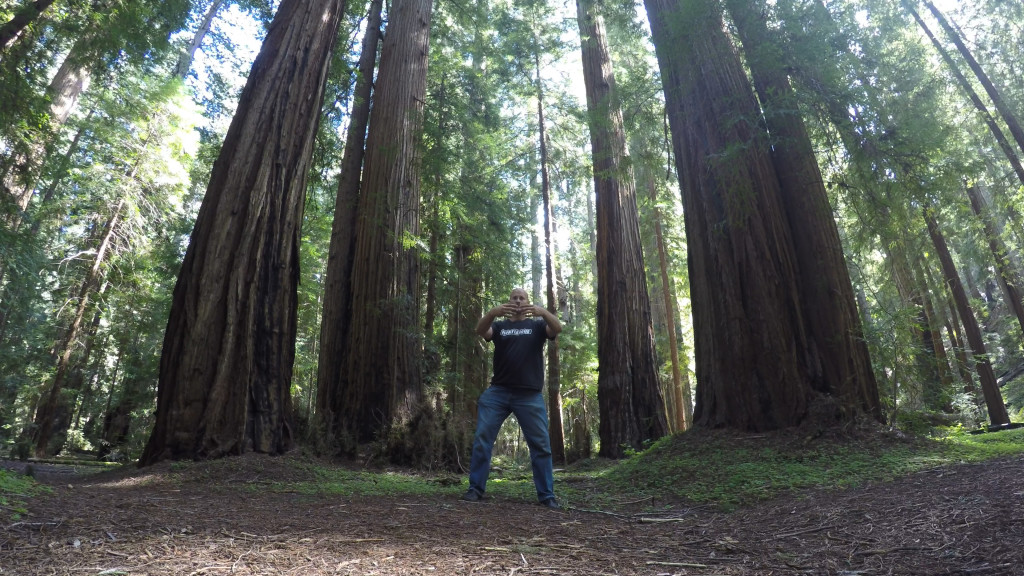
pixel 23 18
pixel 336 316
pixel 990 389
pixel 185 59
pixel 383 380
pixel 226 365
pixel 677 396
pixel 629 394
pixel 65 88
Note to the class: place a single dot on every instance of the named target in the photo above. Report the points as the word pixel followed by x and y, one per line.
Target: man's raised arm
pixel 483 327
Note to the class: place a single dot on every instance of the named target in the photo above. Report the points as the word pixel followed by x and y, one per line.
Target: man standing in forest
pixel 515 389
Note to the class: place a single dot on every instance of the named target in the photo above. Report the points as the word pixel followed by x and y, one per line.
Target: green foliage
pixel 15 490
pixel 731 470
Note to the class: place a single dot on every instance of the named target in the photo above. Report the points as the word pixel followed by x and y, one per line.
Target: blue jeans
pixel 493 407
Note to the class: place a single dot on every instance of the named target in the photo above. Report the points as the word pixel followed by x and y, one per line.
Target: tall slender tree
pixel 1012 155
pixel 338 284
pixel 629 395
pixel 225 369
pixel 1008 115
pixel 990 389
pixel 382 385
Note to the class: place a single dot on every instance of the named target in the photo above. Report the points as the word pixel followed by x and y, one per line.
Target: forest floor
pixel 245 516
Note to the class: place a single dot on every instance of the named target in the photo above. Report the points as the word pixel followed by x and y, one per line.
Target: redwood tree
pixel 762 360
pixel 629 395
pixel 382 383
pixel 338 283
pixel 226 366
pixel 990 389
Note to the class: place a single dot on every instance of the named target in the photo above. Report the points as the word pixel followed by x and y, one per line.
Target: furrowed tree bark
pixel 990 389
pixel 761 363
pixel 556 429
pixel 226 365
pixel 382 380
pixel 336 315
pixel 629 394
pixel 836 355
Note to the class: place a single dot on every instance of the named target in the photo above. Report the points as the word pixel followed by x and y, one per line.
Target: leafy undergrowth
pixel 15 490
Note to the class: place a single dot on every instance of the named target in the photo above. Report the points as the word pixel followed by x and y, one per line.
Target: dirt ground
pixel 966 519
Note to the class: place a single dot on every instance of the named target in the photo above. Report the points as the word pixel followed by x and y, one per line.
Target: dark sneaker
pixel 551 504
pixel 472 496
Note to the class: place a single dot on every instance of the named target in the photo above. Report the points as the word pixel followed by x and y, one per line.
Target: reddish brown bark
pixel 836 355
pixel 383 383
pixel 630 398
pixel 762 362
pixel 226 366
pixel 336 315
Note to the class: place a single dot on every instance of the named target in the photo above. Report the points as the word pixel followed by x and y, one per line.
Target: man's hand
pixel 534 310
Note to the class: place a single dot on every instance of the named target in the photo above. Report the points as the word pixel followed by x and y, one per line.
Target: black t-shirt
pixel 518 358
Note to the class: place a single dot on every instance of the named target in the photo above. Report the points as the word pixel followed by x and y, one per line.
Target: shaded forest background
pixel 113 127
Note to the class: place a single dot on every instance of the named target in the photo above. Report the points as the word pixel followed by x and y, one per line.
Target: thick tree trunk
pixel 1004 274
pixel 25 16
pixel 383 380
pixel 226 366
pixel 761 363
pixel 993 398
pixel 48 410
pixel 334 327
pixel 556 428
pixel 629 395
pixel 185 58
pixel 836 355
